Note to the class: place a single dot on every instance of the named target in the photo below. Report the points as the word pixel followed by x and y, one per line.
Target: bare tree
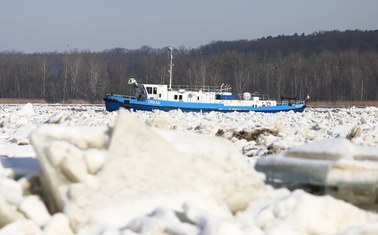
pixel 94 74
pixel 74 65
pixel 65 75
pixel 44 64
pixel 198 72
pixel 240 70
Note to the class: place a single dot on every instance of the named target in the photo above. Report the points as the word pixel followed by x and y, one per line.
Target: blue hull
pixel 115 102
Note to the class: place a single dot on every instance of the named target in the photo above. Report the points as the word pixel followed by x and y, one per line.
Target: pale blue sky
pixel 96 25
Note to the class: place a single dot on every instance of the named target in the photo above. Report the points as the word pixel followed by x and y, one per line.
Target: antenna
pixel 170 67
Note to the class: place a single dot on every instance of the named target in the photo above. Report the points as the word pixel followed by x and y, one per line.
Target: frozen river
pixel 227 141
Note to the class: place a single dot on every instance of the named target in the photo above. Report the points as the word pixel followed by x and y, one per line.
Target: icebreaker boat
pixel 149 97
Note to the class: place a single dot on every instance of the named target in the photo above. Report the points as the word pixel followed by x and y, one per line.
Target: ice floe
pixel 339 167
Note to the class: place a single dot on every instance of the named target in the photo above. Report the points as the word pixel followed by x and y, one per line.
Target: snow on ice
pixel 77 169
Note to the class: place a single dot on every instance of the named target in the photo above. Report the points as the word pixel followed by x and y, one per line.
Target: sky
pixel 58 25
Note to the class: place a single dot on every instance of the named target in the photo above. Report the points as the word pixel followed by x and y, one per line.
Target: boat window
pixel 159 95
pixel 149 90
pixel 180 97
pixel 175 97
pixel 197 97
pixel 155 90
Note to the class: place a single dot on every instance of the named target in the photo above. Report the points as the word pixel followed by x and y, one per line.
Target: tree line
pixel 330 66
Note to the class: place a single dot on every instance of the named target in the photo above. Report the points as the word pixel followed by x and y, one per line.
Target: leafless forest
pixel 330 66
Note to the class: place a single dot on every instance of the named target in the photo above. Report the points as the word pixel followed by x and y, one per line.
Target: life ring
pixel 247 96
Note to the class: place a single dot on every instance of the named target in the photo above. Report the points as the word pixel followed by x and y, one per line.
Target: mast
pixel 170 67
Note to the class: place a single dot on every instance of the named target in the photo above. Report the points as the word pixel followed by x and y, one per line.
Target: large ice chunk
pixel 145 169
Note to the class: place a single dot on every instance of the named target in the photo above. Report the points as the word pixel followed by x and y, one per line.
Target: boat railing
pixel 202 88
pixel 262 97
pixel 291 102
pixel 219 89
